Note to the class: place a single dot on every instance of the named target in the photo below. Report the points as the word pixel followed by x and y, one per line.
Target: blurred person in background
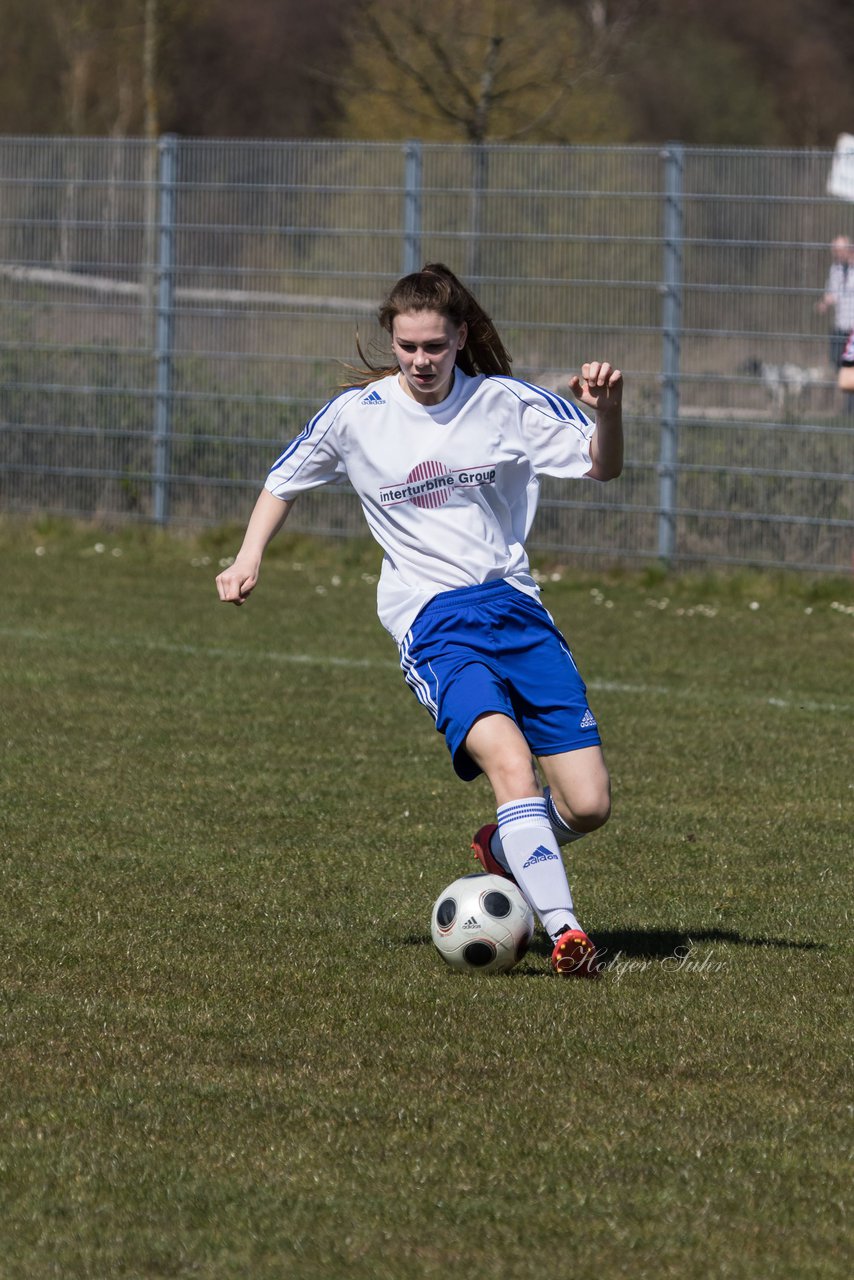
pixel 838 298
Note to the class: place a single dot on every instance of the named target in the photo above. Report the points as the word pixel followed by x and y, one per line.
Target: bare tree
pixel 476 70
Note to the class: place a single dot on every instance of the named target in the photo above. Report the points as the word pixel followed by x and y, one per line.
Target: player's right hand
pixel 236 583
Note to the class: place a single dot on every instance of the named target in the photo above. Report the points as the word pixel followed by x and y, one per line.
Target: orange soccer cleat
pixel 574 956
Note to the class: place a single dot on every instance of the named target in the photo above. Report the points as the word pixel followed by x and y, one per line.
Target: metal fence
pixel 173 313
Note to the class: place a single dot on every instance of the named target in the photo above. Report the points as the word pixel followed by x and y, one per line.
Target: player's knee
pixel 586 810
pixel 592 816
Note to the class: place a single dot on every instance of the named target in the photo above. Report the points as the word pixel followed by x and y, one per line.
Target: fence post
pixel 671 324
pixel 164 329
pixel 412 207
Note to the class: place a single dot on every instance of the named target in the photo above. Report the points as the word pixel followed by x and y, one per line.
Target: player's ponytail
pixel 436 288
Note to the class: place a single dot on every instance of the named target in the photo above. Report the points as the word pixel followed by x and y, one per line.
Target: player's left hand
pixel 600 386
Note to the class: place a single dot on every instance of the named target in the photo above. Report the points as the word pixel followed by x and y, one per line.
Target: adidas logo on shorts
pixel 588 720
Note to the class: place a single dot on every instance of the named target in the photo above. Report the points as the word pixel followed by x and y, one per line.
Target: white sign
pixel 841 180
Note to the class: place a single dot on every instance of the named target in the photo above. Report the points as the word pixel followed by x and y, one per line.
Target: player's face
pixel 426 345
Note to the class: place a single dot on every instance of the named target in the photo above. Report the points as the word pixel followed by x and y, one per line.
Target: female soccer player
pixel 444 450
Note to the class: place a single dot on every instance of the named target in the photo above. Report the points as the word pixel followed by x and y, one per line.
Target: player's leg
pixel 578 800
pixel 551 709
pixel 497 746
pixel 578 797
pixel 528 848
pixel 578 791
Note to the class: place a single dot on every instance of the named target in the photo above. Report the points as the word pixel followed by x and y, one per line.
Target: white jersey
pixel 450 490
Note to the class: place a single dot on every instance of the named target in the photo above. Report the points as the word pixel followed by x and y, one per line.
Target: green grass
pixel 228 1047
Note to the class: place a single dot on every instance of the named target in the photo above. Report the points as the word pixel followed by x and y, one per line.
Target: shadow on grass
pixel 653 944
pixel 660 944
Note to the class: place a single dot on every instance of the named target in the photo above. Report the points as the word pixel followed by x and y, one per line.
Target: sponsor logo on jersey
pixel 431 484
pixel 373 398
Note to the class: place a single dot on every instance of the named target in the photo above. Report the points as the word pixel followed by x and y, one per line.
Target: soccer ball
pixel 481 924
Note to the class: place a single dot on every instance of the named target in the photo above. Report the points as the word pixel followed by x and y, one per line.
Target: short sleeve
pixel 313 458
pixel 555 433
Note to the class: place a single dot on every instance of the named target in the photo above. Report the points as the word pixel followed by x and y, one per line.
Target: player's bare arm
pixel 236 583
pixel 600 388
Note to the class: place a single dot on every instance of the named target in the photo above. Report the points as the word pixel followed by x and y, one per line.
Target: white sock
pixel 563 832
pixel 530 852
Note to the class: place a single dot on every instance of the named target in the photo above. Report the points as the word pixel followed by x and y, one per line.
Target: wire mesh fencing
pixel 174 312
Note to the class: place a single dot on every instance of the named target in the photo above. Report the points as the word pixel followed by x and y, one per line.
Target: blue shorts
pixel 493 648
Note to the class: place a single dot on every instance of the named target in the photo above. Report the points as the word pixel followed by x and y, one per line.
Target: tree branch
pixel 409 69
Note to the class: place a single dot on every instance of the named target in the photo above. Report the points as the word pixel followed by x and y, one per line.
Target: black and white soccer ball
pixel 481 924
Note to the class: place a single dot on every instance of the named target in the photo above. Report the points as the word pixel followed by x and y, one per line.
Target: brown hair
pixel 436 288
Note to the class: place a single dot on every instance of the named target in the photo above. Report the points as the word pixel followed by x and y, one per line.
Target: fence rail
pixel 173 312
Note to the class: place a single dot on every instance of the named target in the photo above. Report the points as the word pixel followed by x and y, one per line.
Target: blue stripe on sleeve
pixel 562 409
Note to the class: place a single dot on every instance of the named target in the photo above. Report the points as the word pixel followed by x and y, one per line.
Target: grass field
pixel 228 1047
